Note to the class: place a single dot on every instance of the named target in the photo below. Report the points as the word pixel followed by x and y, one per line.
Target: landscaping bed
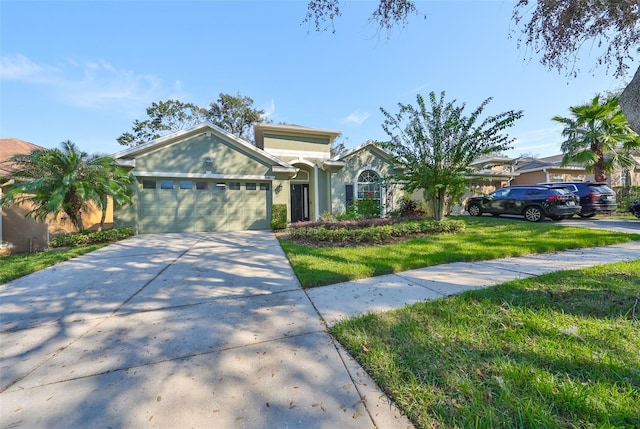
pixel 367 231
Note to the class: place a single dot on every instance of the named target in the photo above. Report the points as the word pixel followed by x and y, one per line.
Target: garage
pixel 187 205
pixel 200 180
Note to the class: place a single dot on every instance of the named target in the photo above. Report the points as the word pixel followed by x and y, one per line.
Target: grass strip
pixel 554 351
pixel 482 239
pixel 14 266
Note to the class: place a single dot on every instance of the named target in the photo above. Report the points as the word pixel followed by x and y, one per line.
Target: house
pixel 206 179
pixel 550 169
pixel 22 232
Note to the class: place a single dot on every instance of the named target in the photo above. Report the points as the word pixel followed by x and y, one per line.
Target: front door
pixel 299 202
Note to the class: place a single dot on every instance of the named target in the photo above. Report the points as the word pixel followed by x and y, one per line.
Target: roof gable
pixel 125 156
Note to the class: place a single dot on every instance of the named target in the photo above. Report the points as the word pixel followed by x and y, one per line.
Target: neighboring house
pixel 206 179
pixel 549 169
pixel 22 232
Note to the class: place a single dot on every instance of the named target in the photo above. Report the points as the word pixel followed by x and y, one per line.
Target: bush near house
pixel 84 238
pixel 278 216
pixel 368 231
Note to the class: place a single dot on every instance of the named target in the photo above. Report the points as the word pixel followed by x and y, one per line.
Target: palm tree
pixel 65 180
pixel 599 137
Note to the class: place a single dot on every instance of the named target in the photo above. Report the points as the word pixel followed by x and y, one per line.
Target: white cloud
pixel 269 109
pixel 357 117
pixel 93 84
pixel 21 68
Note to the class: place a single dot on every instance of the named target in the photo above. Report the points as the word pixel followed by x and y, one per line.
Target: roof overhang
pixel 127 157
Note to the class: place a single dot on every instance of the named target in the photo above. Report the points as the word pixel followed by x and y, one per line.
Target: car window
pixel 500 193
pixel 603 189
pixel 534 192
pixel 518 192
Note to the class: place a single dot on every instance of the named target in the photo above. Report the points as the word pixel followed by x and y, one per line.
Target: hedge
pixel 83 238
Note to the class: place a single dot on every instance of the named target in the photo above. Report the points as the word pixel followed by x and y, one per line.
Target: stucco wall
pixel 189 157
pixel 28 235
pixel 356 163
pixel 284 142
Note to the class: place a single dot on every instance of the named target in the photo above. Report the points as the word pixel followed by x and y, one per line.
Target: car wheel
pixel 474 210
pixel 533 214
pixel 584 215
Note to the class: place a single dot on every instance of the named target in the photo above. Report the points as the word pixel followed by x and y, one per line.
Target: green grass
pixel 560 350
pixel 484 238
pixel 14 266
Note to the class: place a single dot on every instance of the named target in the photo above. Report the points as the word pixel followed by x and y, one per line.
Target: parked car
pixel 533 202
pixel 595 198
pixel 635 208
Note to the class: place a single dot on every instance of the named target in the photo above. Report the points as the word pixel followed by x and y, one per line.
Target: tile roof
pixel 10 147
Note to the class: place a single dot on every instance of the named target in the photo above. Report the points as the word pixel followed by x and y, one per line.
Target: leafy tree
pixel 554 28
pixel 65 180
pixel 233 113
pixel 164 117
pixel 436 144
pixel 599 137
pixel 559 28
pixel 387 15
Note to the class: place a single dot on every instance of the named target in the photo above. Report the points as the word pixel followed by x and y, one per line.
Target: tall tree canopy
pixel 554 29
pixel 436 143
pixel 599 137
pixel 232 113
pixel 65 180
pixel 557 29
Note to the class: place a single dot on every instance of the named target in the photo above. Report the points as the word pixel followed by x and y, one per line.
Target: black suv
pixel 595 197
pixel 533 202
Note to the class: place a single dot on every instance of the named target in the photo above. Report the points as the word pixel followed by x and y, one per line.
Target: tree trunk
pixel 630 102
pixel 438 201
pixel 598 168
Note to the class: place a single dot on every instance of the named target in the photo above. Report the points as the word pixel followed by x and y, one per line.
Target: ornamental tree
pixel 436 143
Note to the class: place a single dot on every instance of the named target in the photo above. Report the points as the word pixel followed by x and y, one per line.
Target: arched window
pixel 369 186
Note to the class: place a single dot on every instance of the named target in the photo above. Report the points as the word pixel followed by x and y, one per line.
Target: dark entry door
pixel 299 202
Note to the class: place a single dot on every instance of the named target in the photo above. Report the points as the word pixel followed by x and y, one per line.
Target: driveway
pixel 617 225
pixel 173 331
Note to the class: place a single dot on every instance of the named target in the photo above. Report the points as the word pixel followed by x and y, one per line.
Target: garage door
pixel 171 205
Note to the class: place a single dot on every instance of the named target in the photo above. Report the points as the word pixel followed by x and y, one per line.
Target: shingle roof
pixel 10 147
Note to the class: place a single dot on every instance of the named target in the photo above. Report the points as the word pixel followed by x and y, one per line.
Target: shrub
pixel 350 214
pixel 368 208
pixel 410 208
pixel 83 238
pixel 278 216
pixel 375 233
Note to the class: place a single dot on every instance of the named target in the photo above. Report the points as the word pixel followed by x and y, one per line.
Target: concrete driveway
pixel 173 331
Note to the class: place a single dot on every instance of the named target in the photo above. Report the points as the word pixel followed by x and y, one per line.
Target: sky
pixel 86 70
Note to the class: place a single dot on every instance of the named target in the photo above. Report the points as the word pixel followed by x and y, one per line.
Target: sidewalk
pixel 384 293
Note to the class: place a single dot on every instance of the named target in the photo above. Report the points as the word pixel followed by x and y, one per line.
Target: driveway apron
pixel 177 330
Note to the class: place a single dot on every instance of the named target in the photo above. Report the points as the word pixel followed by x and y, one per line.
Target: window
pixel 148 184
pixel 220 186
pixel 264 187
pixel 348 195
pixel 186 184
pixel 250 186
pixel 166 184
pixel 368 185
pixel 202 186
pixel 234 186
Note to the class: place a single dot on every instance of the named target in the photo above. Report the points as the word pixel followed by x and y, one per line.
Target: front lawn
pixel 484 238
pixel 14 266
pixel 555 351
